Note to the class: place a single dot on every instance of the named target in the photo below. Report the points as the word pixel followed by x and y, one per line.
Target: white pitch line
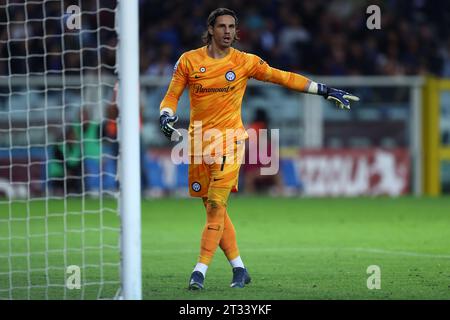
pixel 400 253
pixel 311 249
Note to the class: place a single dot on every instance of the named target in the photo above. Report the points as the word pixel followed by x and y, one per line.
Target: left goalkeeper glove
pixel 340 97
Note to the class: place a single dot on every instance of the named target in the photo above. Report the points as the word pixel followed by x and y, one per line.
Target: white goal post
pixel 69 150
pixel 129 140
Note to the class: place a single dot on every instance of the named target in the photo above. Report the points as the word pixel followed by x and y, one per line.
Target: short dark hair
pixel 206 37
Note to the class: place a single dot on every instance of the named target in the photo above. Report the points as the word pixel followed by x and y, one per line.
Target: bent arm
pixel 177 84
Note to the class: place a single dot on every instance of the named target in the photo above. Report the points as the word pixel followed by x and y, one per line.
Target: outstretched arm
pixel 260 70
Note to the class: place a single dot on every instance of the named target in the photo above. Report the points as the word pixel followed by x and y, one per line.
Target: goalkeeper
pixel 217 76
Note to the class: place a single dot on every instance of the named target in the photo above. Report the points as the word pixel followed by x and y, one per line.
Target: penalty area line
pixel 312 250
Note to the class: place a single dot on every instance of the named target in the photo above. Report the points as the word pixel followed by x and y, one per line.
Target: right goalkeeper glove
pixel 166 122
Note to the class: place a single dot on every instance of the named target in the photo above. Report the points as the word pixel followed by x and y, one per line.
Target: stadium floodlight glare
pixel 69 151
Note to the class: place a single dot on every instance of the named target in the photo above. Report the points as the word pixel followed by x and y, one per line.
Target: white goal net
pixel 59 222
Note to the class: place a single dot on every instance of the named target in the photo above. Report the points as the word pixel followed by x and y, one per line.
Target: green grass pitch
pixel 293 248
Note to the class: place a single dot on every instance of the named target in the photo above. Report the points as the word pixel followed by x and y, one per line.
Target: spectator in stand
pixel 253 180
pixel 64 169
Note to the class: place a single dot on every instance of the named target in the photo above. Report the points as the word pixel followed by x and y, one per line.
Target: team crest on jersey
pixel 196 186
pixel 202 69
pixel 230 76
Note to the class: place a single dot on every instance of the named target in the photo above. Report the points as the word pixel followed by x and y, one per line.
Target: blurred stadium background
pixel 394 142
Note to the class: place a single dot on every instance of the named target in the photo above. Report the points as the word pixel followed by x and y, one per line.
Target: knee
pixel 215 209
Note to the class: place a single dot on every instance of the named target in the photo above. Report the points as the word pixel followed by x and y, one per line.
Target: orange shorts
pixel 216 176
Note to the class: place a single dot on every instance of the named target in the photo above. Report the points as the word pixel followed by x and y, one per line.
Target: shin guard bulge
pixel 212 233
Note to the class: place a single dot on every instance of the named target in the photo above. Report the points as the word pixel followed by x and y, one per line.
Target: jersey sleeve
pixel 176 86
pixel 260 70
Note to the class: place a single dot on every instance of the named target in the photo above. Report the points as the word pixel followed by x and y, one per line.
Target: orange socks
pixel 213 231
pixel 219 231
pixel 228 241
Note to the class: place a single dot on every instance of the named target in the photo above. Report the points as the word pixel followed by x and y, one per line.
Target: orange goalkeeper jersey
pixel 217 86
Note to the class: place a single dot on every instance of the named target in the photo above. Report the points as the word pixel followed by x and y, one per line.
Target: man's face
pixel 224 31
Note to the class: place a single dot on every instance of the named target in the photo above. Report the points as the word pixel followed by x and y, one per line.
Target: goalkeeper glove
pixel 340 97
pixel 166 122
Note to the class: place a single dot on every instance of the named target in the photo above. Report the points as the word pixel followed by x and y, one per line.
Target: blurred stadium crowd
pixel 319 37
pixel 312 36
pixel 316 37
pixel 34 37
